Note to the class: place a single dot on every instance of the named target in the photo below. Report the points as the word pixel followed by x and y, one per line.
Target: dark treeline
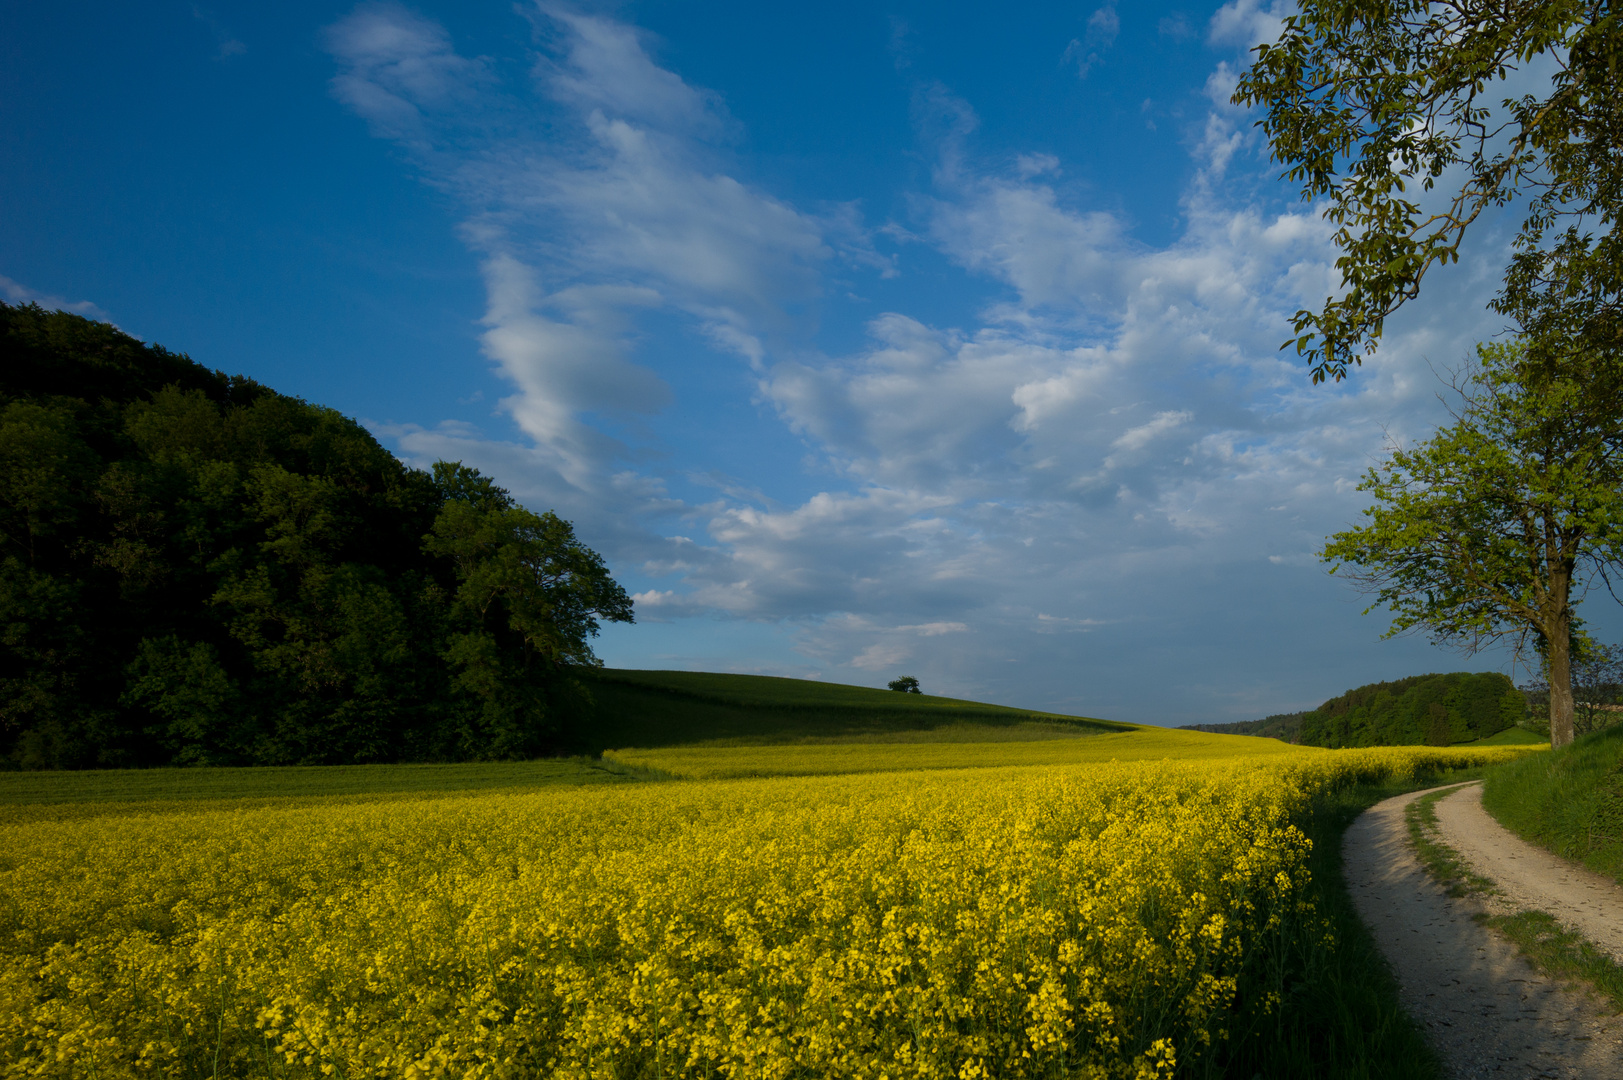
pixel 1439 710
pixel 1282 726
pixel 198 570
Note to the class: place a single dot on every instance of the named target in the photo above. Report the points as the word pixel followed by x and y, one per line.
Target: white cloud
pixel 395 66
pixel 1018 232
pixel 936 629
pixel 1103 26
pixel 880 657
pixel 1247 23
pixel 618 213
pixel 17 293
pixel 607 68
pixel 1139 437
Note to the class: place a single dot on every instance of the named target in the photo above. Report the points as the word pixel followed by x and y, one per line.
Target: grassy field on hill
pixel 714 726
pixel 1516 736
pixel 62 796
pixel 648 709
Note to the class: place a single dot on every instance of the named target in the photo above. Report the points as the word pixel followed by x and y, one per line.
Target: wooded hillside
pixel 1437 710
pixel 197 569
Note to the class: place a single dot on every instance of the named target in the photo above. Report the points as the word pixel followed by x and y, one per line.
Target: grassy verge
pixel 1569 800
pixel 1550 947
pixel 1442 861
pixel 1562 953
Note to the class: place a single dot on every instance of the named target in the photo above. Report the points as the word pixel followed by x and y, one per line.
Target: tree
pixel 1438 709
pixel 1597 688
pixel 1490 529
pixel 526 605
pixel 1385 109
pixel 522 572
pixel 907 684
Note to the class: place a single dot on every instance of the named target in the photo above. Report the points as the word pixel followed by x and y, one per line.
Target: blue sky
pixel 862 340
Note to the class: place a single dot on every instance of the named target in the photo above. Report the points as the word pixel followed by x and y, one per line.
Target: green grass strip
pixel 1569 801
pixel 1562 953
pixel 1444 863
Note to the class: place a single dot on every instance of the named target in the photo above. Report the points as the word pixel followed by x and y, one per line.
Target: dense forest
pixel 199 570
pixel 1440 710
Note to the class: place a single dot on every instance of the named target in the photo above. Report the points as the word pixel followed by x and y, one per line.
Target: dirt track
pixel 1530 877
pixel 1488 1013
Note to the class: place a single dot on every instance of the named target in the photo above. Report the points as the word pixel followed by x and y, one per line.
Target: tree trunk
pixel 1560 658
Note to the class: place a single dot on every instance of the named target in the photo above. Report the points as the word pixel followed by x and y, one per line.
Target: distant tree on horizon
pixel 907 684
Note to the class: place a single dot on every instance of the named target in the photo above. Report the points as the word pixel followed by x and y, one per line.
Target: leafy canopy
pixel 1401 116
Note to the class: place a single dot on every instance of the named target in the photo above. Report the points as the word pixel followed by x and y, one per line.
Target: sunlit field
pixel 1110 905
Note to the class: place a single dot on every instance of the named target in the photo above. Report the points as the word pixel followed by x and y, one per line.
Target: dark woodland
pixel 196 569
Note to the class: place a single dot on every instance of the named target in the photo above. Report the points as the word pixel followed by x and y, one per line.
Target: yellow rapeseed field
pixel 1088 919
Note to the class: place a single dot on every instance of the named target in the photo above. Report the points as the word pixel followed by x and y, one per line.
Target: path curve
pixel 1529 876
pixel 1486 1010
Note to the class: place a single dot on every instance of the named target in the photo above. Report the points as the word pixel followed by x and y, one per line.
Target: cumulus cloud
pixel 1247 23
pixel 17 293
pixel 1120 431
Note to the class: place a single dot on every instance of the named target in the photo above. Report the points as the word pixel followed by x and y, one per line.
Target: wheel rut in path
pixel 1487 1011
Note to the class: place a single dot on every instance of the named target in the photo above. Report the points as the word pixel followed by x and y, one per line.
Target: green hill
pixel 1513 736
pixel 1437 710
pixel 670 708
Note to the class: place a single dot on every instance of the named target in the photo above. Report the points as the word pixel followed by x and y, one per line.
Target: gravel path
pixel 1529 876
pixel 1487 1011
